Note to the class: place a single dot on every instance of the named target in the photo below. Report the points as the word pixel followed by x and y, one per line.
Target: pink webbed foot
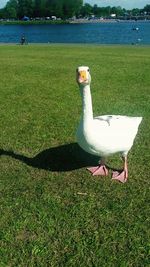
pixel 98 170
pixel 120 176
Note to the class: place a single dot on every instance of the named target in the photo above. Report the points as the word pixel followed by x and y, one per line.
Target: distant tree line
pixel 17 9
pixel 88 10
pixel 41 8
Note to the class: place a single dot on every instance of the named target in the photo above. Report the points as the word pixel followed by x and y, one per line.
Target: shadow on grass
pixel 62 158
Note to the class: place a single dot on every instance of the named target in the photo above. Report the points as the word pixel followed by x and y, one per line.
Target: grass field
pixel 53 212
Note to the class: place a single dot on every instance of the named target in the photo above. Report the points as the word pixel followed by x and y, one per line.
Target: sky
pixel 127 4
pixel 2 3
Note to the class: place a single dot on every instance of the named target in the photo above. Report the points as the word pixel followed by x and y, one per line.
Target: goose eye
pixel 88 70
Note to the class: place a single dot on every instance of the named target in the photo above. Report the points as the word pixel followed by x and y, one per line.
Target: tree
pixel 147 9
pixel 117 10
pixel 40 8
pixel 54 8
pixel 12 3
pixel 71 7
pixel 96 10
pixel 10 10
pixel 25 8
pixel 86 10
pixel 63 8
pixel 135 12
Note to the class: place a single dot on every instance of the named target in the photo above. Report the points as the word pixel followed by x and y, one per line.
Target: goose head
pixel 83 76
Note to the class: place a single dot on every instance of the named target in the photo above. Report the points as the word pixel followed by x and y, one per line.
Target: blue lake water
pixel 88 33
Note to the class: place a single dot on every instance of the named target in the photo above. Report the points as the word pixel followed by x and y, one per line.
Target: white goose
pixel 104 135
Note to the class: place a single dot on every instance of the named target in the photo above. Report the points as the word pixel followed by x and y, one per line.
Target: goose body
pixel 104 135
pixel 108 134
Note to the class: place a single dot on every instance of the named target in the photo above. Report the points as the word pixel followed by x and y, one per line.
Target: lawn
pixel 53 212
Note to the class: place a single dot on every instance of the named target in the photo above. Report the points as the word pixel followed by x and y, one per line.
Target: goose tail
pixel 139 120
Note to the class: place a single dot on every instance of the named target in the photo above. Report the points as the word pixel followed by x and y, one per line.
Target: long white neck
pixel 87 110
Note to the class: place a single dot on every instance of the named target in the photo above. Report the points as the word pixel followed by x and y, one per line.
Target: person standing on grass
pixel 23 40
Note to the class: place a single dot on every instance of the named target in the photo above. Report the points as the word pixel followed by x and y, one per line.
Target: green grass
pixel 54 213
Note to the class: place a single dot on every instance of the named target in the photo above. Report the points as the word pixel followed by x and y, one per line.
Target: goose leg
pixel 100 169
pixel 123 175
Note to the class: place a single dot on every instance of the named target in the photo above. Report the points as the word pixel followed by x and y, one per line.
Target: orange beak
pixel 82 76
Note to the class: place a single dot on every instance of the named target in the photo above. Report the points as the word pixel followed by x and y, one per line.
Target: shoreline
pixel 75 21
pixel 78 21
pixel 73 44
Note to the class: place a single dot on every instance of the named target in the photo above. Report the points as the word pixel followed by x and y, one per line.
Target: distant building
pixel 113 15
